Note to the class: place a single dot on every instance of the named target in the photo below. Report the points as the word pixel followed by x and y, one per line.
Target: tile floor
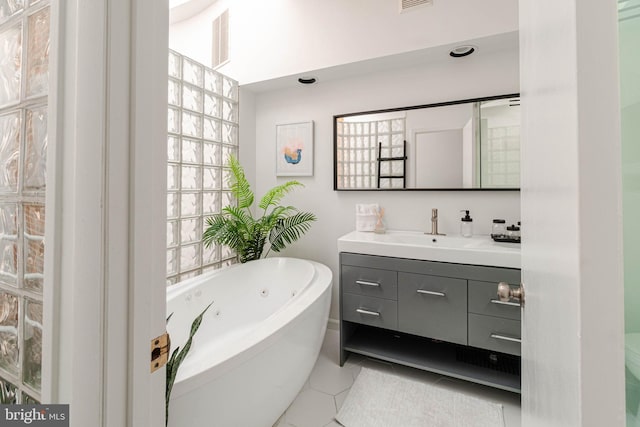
pixel 328 385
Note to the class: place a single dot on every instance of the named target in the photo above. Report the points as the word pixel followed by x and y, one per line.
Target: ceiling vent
pixel 409 5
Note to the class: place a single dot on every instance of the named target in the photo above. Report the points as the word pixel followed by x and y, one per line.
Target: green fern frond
pixel 273 196
pixel 280 212
pixel 241 216
pixel 239 185
pixel 283 211
pixel 236 227
pixel 223 231
pixel 215 224
pixel 290 229
pixel 255 247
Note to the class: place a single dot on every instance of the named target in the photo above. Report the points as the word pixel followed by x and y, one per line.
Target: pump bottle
pixel 466 225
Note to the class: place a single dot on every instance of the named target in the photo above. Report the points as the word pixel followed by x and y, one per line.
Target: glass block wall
pixel 202 133
pixel 24 76
pixel 357 153
pixel 500 143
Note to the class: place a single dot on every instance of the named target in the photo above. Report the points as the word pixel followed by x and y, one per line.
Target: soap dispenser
pixel 466 225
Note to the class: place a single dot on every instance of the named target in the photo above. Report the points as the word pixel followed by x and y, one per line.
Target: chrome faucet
pixel 434 223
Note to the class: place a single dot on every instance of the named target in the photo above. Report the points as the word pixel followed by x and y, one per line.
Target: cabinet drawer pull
pixel 438 294
pixel 365 283
pixel 505 338
pixel 497 301
pixel 370 313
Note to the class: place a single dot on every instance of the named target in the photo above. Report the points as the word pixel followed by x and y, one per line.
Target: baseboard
pixel 333 324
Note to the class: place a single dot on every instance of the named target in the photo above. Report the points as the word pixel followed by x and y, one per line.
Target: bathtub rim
pixel 265 334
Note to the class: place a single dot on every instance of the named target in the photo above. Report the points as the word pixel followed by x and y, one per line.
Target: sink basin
pixel 476 250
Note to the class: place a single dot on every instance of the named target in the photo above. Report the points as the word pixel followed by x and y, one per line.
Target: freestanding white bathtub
pixel 256 345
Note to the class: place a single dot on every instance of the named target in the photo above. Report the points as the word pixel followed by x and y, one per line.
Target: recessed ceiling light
pixel 307 80
pixel 460 51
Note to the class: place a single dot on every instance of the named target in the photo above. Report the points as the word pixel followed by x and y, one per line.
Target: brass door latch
pixel 160 351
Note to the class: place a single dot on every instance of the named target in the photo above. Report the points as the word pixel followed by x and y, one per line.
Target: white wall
pixel 270 39
pixel 475 76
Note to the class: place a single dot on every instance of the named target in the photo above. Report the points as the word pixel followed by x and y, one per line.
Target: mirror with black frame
pixel 471 144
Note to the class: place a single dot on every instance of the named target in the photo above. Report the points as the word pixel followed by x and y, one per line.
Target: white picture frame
pixel 294 149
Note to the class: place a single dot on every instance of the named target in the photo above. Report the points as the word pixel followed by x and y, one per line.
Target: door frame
pixel 105 292
pixel 108 222
pixel 573 325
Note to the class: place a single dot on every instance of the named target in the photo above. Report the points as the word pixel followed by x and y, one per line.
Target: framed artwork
pixel 294 149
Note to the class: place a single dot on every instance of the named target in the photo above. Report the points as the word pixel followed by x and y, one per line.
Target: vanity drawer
pixel 494 333
pixel 372 311
pixel 370 281
pixel 433 306
pixel 483 299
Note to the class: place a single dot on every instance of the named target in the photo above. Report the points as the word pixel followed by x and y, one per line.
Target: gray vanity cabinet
pixel 483 300
pixel 379 312
pixel 370 296
pixel 372 282
pixel 494 333
pixel 433 306
pixel 437 316
pixel 493 324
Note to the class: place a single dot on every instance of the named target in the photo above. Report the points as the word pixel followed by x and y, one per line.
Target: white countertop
pixel 475 250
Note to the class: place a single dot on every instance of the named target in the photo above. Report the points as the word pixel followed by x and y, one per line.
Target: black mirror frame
pixel 413 107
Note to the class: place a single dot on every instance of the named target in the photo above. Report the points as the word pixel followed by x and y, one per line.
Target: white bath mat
pixel 379 399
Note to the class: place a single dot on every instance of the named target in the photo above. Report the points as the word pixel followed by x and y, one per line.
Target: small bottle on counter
pixel 466 225
pixel 499 228
pixel 380 227
pixel 513 233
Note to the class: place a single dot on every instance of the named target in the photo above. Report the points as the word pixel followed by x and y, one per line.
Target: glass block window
pixel 500 144
pixel 501 158
pixel 202 133
pixel 24 85
pixel 357 152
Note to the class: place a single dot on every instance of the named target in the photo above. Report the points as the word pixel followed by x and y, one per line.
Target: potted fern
pixel 237 227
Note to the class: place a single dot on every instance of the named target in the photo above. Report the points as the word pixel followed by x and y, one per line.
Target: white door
pixel 572 352
pixel 109 76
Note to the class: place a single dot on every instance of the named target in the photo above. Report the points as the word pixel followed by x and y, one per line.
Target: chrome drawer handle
pixel 370 313
pixel 497 301
pixel 505 338
pixel 438 294
pixel 365 283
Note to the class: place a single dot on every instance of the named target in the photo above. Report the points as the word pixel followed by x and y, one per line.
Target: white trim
pixel 81 116
pixel 572 323
pixel 108 179
pixel 116 230
pixel 148 204
pixel 51 282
